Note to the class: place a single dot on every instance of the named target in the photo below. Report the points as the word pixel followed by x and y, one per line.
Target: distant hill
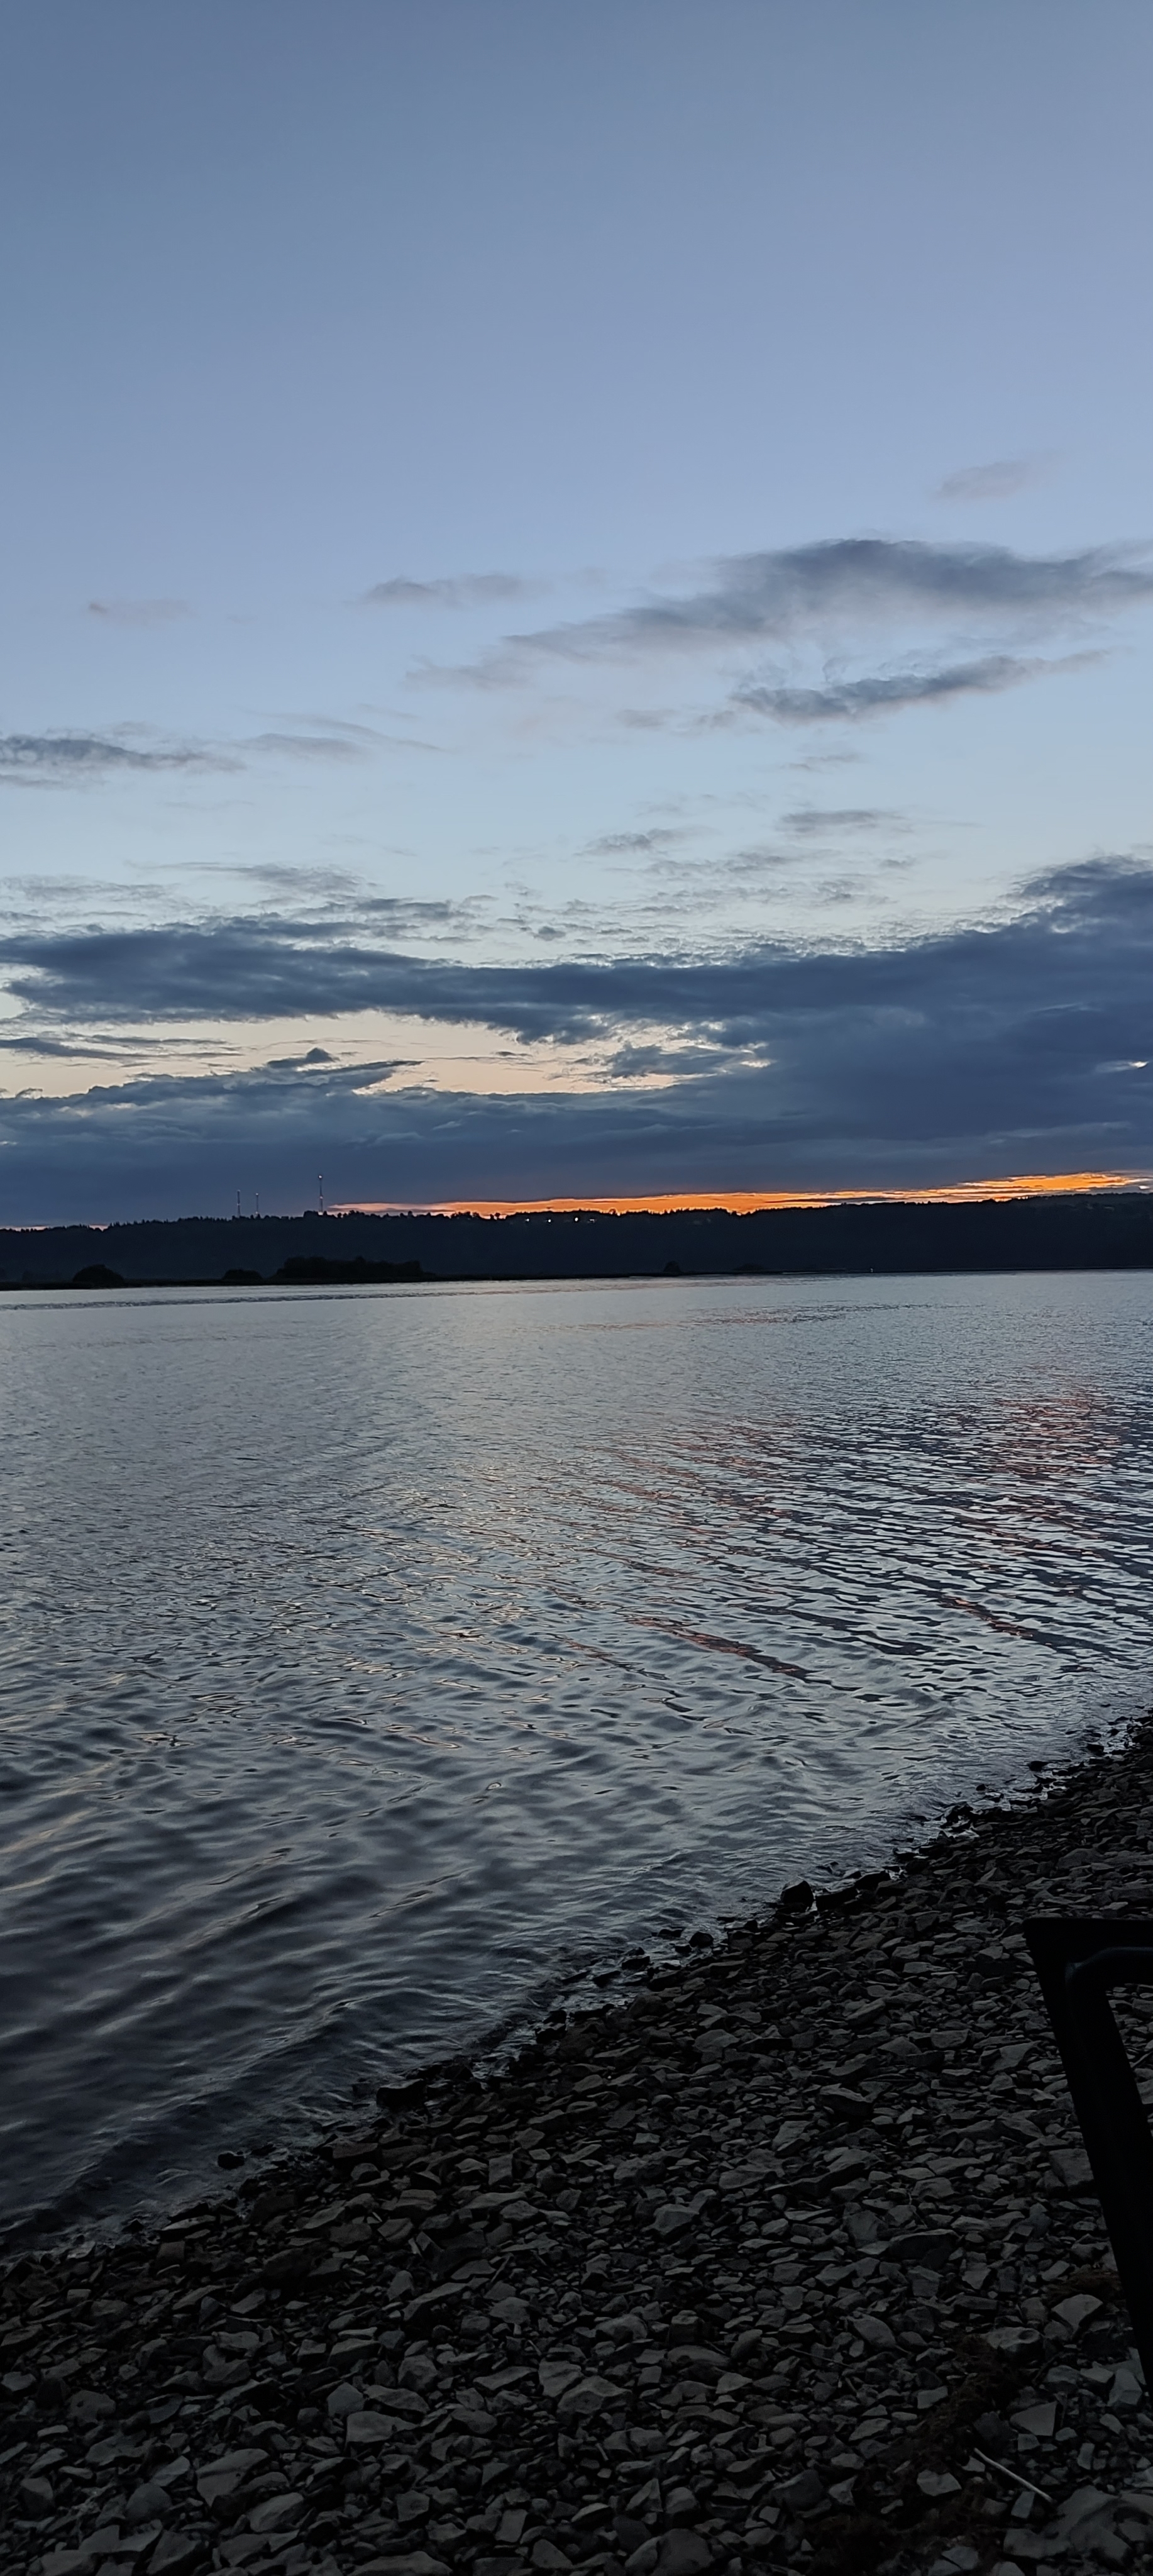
pixel 1101 1230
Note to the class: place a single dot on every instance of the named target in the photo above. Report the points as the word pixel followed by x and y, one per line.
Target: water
pixel 373 1661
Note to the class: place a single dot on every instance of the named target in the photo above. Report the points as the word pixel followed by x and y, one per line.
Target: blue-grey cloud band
pixel 860 581
pixel 462 590
pixel 999 481
pixel 881 691
pixel 80 759
pixel 71 758
pixel 1019 1045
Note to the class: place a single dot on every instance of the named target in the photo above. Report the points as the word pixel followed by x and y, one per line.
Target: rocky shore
pixel 786 2258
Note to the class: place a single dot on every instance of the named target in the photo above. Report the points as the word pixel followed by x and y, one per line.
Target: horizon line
pixel 1017 1185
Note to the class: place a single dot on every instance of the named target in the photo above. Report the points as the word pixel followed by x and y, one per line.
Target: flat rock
pixel 1011 2339
pixel 556 2376
pixel 175 2552
pixel 276 2512
pixel 683 2553
pixel 803 2493
pixel 367 2431
pixel 222 2477
pixel 589 2397
pixel 413 2562
pixel 1072 2168
pixel 874 2331
pixel 344 2400
pixel 932 2246
pixel 1076 2311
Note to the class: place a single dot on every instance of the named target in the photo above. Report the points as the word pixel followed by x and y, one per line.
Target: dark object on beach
pixel 315 1272
pixel 1077 1962
pixel 97 1276
pixel 243 1279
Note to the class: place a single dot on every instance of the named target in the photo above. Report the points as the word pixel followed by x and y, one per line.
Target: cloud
pixel 807 820
pixel 310 746
pixel 1019 1044
pixel 996 482
pixel 801 591
pixel 70 759
pixel 466 590
pixel 139 612
pixel 77 758
pixel 882 691
pixel 632 845
pixel 40 1044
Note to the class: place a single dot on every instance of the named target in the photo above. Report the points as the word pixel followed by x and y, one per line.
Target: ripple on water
pixel 370 1658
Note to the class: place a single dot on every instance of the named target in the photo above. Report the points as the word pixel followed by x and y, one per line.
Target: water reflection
pixel 368 1658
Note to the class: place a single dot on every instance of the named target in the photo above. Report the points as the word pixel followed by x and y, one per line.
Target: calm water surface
pixel 371 1661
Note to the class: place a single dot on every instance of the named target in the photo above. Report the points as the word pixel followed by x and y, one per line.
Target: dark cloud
pixel 881 691
pixel 806 820
pixel 860 581
pixel 466 590
pixel 996 482
pixel 1021 1044
pixel 69 759
pixel 79 1050
pixel 139 612
pixel 266 966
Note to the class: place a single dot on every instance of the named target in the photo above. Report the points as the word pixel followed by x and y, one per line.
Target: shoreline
pixel 751 2267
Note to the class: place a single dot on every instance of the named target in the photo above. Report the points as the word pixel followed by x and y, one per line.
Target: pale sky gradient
pixel 588 568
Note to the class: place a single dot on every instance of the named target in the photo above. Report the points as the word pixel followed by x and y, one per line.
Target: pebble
pixel 787 2259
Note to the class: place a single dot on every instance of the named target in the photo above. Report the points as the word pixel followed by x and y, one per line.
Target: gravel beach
pixel 788 2256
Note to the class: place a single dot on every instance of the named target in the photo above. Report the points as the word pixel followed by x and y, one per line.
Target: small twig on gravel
pixel 1006 2472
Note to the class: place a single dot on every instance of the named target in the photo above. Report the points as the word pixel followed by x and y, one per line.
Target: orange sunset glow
pixel 1018 1185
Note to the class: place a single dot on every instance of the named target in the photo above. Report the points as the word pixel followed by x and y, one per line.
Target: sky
pixel 576 613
